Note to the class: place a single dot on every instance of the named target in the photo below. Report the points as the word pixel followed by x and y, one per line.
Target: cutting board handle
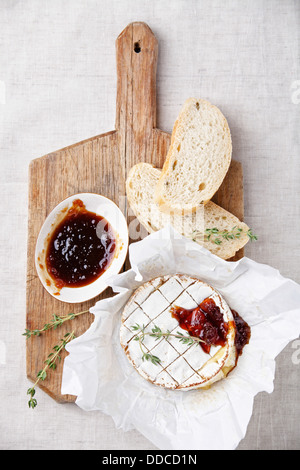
pixel 136 54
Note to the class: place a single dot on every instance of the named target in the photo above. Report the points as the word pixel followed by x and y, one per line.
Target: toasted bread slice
pixel 198 158
pixel 140 185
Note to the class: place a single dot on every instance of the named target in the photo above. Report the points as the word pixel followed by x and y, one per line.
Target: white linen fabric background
pixel 58 86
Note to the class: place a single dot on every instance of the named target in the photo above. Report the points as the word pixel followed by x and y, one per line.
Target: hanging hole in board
pixel 137 47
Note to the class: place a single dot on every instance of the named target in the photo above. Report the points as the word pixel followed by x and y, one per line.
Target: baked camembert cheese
pixel 179 333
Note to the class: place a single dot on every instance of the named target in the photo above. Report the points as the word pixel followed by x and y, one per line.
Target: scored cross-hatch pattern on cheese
pixel 182 366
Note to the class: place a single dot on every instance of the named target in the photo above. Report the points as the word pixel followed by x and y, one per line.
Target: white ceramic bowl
pixel 103 207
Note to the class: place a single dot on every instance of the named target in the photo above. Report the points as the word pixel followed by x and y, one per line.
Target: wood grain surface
pixel 100 165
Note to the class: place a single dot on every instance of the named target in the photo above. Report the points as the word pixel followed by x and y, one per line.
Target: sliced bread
pixel 198 158
pixel 199 225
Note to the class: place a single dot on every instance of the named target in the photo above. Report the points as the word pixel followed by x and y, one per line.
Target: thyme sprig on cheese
pixel 217 236
pixel 157 333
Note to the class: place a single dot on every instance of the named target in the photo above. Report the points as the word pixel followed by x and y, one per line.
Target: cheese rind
pixel 181 366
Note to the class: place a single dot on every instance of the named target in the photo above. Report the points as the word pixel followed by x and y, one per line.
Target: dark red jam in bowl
pixel 80 248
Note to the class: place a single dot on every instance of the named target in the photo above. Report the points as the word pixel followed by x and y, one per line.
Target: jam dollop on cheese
pixel 206 322
pixel 80 248
pixel 243 333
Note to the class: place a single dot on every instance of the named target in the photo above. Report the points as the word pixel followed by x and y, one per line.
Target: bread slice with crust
pixel 198 158
pixel 140 185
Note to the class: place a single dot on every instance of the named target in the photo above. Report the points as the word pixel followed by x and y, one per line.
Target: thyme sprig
pixel 53 357
pixel 157 333
pixel 217 236
pixel 55 323
pixel 251 235
pixel 51 363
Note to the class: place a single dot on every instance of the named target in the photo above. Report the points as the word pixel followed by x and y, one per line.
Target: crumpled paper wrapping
pixel 98 372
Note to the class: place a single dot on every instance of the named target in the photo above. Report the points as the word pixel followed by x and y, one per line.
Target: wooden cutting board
pixel 100 165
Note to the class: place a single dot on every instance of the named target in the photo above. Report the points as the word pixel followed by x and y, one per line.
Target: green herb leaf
pixel 51 364
pixel 157 333
pixel 215 235
pixel 55 323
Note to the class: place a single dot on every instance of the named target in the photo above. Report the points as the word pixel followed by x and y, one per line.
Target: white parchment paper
pixel 100 375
